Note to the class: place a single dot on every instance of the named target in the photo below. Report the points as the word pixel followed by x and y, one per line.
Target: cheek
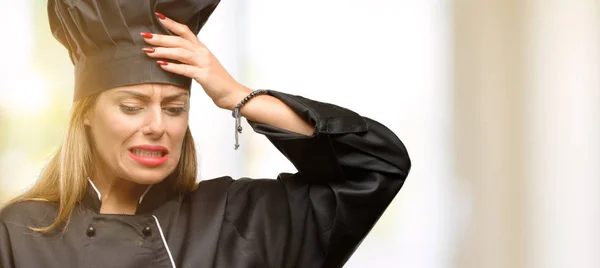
pixel 111 131
pixel 177 132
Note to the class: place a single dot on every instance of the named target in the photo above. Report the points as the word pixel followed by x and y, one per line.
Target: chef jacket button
pixel 91 231
pixel 147 231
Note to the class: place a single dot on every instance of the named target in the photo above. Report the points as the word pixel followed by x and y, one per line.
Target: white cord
pixel 144 194
pixel 164 241
pixel 95 189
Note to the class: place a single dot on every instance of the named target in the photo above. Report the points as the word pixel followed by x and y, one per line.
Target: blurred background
pixel 497 101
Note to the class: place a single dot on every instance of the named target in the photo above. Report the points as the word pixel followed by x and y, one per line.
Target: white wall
pixel 564 133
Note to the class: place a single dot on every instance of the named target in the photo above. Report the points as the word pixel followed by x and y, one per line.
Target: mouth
pixel 149 155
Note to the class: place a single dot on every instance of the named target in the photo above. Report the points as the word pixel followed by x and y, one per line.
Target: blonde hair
pixel 64 180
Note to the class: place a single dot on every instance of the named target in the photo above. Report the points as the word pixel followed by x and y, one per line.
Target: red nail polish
pixel 146 35
pixel 162 62
pixel 148 49
pixel 160 15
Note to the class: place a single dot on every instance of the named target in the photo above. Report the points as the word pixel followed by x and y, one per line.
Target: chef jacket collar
pixel 154 196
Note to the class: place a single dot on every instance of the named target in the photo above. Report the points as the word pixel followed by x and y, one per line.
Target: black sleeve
pixel 349 171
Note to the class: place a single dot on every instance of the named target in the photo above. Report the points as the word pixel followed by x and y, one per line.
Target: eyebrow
pixel 144 96
pixel 176 96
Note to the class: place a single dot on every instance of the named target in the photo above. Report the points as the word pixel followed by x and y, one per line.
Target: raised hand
pixel 195 61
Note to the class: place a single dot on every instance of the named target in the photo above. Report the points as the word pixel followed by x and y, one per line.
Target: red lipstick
pixel 149 155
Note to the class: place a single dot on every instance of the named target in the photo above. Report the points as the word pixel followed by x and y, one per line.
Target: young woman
pixel 121 191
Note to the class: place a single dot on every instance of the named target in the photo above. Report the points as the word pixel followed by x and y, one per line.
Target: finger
pixel 176 53
pixel 182 69
pixel 160 40
pixel 178 28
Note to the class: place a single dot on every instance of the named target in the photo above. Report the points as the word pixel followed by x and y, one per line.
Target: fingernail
pixel 148 49
pixel 146 35
pixel 160 15
pixel 162 62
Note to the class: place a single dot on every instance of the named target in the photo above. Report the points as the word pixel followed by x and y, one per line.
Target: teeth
pixel 144 153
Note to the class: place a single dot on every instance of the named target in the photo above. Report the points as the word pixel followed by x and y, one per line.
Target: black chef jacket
pixel 349 171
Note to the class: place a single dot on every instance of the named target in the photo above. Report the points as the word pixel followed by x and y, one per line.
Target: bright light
pixel 26 94
pixel 23 91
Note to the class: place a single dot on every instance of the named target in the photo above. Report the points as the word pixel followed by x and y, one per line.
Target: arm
pixel 269 110
pixel 349 170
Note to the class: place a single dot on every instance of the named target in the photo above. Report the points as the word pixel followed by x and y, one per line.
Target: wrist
pixel 236 96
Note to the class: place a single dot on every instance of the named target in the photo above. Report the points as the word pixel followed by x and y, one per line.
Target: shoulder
pixel 28 213
pixel 240 194
pixel 250 186
pixel 243 193
pixel 247 198
pixel 235 187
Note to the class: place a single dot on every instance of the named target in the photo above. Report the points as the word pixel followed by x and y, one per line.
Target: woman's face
pixel 138 131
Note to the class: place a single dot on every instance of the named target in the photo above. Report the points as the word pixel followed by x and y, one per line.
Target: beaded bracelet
pixel 238 115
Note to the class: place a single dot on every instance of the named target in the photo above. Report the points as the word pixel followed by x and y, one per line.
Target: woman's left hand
pixel 196 62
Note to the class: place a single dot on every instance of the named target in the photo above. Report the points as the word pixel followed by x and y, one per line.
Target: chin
pixel 147 177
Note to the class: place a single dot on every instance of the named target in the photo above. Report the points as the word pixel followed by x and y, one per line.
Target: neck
pixel 118 196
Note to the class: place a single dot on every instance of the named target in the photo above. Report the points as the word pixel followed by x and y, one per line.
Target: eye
pixel 175 110
pixel 129 109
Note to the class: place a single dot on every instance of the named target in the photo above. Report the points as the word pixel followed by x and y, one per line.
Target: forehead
pixel 152 90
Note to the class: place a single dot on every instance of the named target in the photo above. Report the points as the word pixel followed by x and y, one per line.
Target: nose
pixel 154 125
